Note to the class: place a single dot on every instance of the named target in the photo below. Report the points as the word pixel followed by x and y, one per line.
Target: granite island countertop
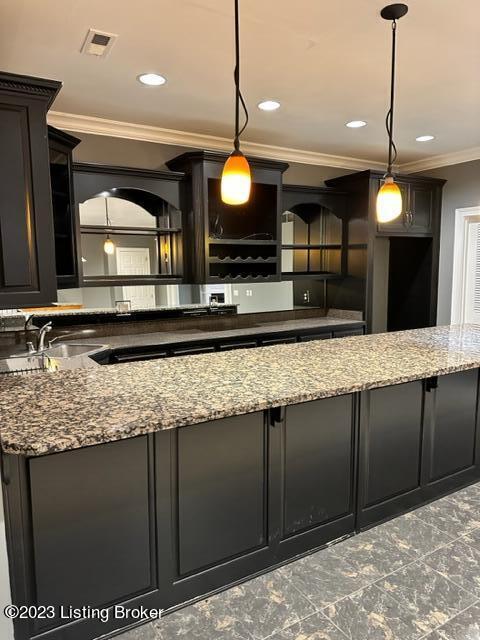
pixel 46 413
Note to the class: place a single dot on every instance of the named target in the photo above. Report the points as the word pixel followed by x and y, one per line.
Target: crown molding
pixel 444 160
pixel 131 131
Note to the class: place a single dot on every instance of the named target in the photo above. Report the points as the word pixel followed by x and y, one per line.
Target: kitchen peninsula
pixel 158 482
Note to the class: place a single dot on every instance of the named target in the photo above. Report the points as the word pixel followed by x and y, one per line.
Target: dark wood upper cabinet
pixel 226 243
pixel 418 210
pixel 65 220
pixel 313 222
pixel 391 269
pixel 27 251
pixel 144 221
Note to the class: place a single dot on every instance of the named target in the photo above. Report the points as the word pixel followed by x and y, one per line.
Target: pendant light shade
pixel 108 245
pixel 389 201
pixel 236 177
pixel 389 198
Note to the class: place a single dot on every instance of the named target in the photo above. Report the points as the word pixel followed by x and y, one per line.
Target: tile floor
pixel 417 576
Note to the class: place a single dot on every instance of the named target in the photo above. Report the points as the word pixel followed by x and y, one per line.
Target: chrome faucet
pixel 42 332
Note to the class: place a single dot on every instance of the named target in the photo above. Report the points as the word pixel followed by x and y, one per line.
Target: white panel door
pixel 471 311
pixel 136 262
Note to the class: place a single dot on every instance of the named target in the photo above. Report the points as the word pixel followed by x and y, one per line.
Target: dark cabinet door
pixel 316 441
pixel 391 437
pixel 421 209
pixel 212 493
pixel 400 224
pixel 27 256
pixel 454 425
pixel 92 515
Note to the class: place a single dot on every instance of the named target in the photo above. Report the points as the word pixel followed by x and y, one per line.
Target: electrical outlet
pixel 235 293
pixel 306 295
pixel 249 293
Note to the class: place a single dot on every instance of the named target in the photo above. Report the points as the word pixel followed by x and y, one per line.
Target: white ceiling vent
pixel 98 43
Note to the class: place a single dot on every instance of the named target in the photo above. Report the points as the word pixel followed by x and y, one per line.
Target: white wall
pixel 462 190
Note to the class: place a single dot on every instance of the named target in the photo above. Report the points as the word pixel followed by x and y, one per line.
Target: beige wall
pixel 149 155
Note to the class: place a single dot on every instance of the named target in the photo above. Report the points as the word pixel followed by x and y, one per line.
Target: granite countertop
pixel 193 335
pixel 112 310
pixel 46 413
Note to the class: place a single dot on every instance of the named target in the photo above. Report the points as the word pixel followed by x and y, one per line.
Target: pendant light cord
pixel 107 217
pixel 238 94
pixel 392 149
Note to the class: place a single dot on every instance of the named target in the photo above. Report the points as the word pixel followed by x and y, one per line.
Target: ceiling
pixel 326 62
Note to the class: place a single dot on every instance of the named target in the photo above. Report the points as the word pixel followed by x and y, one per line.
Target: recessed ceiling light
pixel 152 79
pixel 269 105
pixel 424 138
pixel 356 124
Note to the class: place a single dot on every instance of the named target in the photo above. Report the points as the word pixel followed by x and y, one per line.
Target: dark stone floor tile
pixel 465 626
pixel 432 598
pixel 473 538
pixel 315 627
pixel 324 577
pixel 413 535
pixel 450 517
pixel 372 555
pixel 374 615
pixel 460 563
pixel 256 609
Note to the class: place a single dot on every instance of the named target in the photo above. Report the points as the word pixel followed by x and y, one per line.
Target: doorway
pixel 466 266
pixel 135 261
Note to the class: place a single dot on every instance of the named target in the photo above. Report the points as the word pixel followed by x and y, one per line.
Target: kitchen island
pixel 158 482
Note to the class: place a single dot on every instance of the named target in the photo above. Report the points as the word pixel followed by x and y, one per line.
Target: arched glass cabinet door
pixel 129 236
pixel 311 241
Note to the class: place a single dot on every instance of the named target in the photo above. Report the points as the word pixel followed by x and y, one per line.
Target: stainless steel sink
pixel 71 350
pixel 62 355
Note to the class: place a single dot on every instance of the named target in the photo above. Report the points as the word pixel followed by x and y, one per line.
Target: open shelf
pixel 312 275
pixel 246 277
pixel 311 246
pixel 100 229
pixel 239 260
pixel 241 241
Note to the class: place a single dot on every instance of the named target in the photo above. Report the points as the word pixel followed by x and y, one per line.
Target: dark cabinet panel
pixel 421 209
pixel 65 222
pixel 315 336
pixel 348 332
pixel 318 452
pixel 271 341
pixel 454 424
pixel 138 357
pixel 237 344
pixel 221 490
pixel 27 266
pixel 391 436
pixel 190 351
pixel 92 524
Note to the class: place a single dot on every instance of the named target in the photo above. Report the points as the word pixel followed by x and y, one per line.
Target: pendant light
pixel 236 178
pixel 108 245
pixel 389 198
